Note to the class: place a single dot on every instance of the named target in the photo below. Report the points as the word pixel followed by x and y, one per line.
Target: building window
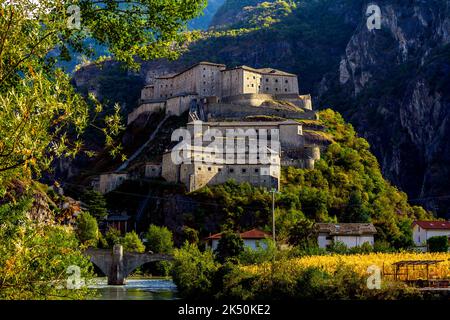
pixel 199 169
pixel 276 80
pixel 267 89
pixel 253 85
pixel 276 89
pixel 204 76
pixel 285 81
pixel 256 170
pixel 254 77
pixel 285 90
pixel 231 170
pixel 204 68
pixel 244 170
pixel 209 168
pixel 219 169
pixel 267 80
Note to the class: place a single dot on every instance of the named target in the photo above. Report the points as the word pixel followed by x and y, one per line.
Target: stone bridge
pixel 117 265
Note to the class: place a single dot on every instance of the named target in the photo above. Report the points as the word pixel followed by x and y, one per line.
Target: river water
pixel 136 289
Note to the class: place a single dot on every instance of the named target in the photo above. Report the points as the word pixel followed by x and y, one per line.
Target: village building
pixel 253 239
pixel 424 230
pixel 351 234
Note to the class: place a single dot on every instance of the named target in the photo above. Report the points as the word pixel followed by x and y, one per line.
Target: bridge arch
pixel 117 265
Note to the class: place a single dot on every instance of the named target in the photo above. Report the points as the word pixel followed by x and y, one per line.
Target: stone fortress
pixel 221 91
pixel 221 99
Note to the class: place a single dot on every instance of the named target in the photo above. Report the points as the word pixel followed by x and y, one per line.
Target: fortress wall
pixel 153 170
pixel 291 135
pixel 196 176
pixel 178 105
pixel 145 108
pixel 237 111
pixel 148 92
pixel 169 169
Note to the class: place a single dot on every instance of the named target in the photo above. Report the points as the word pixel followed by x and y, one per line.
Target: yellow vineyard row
pixel 361 262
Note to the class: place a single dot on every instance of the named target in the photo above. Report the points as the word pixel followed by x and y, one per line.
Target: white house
pixel 252 239
pixel 351 234
pixel 423 230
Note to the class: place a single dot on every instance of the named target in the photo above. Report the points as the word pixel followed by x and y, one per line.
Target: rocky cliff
pixel 393 84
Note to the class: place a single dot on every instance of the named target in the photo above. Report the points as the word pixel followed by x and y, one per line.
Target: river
pixel 136 289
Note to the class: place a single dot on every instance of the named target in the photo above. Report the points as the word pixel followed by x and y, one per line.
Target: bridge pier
pixel 116 274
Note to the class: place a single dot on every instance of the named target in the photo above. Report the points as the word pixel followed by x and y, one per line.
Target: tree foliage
pixel 230 246
pixel 41 116
pixel 159 239
pixel 34 258
pixel 87 229
pixel 132 243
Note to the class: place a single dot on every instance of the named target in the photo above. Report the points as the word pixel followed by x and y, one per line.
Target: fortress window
pixel 219 169
pixel 276 80
pixel 276 89
pixel 199 169
pixel 203 76
pixel 231 170
pixel 253 85
pixel 285 81
pixel 267 88
pixel 244 170
pixel 256 170
pixel 209 168
pixel 267 80
pixel 254 77
pixel 204 68
pixel 204 82
pixel 285 90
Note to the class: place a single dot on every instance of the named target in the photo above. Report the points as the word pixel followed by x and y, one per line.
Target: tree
pixel 87 229
pixel 190 234
pixel 193 271
pixel 356 211
pixel 302 233
pixel 132 243
pixel 438 244
pixel 41 115
pixel 230 246
pixel 95 203
pixel 159 239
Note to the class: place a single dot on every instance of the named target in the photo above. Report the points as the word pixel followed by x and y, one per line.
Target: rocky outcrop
pixel 398 81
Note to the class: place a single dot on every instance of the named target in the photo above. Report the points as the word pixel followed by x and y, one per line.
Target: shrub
pixel 87 229
pixel 193 271
pixel 438 244
pixel 113 237
pixel 338 247
pixel 132 243
pixel 262 253
pixel 190 235
pixel 159 239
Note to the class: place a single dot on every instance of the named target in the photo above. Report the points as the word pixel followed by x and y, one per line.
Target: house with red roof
pixel 252 239
pixel 424 230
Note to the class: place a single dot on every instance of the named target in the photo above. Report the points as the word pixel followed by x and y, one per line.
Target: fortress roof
pixel 265 71
pixel 172 75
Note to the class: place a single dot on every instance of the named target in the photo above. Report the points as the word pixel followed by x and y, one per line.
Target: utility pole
pixel 273 191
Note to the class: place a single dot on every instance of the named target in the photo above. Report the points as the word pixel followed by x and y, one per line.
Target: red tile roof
pixel 251 234
pixel 433 225
pixel 254 234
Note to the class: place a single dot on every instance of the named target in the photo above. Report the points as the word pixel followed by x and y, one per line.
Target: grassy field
pixel 361 262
